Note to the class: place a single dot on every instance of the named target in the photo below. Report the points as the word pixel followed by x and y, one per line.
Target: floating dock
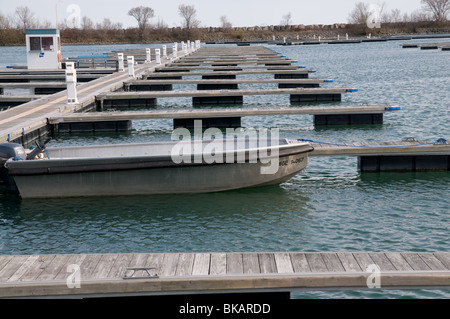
pixel 342 115
pixel 405 156
pixel 209 97
pixel 171 274
pixel 444 46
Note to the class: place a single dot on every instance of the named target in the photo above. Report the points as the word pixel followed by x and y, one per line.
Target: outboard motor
pixel 7 151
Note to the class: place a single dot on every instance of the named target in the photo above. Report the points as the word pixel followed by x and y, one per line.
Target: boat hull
pixel 144 176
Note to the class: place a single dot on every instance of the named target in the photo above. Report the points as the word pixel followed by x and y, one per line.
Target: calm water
pixel 330 207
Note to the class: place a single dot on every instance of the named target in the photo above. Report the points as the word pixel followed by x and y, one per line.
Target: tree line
pixel 433 15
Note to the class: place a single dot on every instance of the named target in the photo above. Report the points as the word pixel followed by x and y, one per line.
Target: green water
pixel 330 207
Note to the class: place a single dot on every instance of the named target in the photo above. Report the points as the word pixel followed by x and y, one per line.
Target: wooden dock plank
pixel 207 93
pixel 22 269
pixel 53 268
pixel 399 261
pixel 349 262
pixel 185 264
pixel 414 260
pixel 234 263
pixel 218 264
pixel 245 72
pixel 316 262
pixel 38 267
pixel 201 264
pixel 154 261
pixel 267 263
pixel 119 266
pixel 195 113
pixel 169 265
pixel 103 267
pixel 300 263
pixel 237 81
pixel 283 263
pixel 279 270
pixel 251 263
pixel 432 262
pixel 444 258
pixel 382 261
pixel 88 265
pixel 332 262
pixel 364 260
pixel 76 260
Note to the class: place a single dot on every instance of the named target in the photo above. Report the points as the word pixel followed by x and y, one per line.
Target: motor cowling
pixel 11 150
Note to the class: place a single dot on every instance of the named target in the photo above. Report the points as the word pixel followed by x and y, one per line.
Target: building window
pixel 35 44
pixel 47 43
pixel 41 43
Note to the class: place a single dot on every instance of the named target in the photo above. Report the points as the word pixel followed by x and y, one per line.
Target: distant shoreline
pixel 14 37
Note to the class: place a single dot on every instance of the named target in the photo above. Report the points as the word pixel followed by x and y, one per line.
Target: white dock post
pixel 164 51
pixel 346 36
pixel 338 37
pixel 158 56
pixel 284 39
pixel 71 80
pixel 174 52
pixel 185 48
pixel 121 64
pixel 130 60
pixel 149 55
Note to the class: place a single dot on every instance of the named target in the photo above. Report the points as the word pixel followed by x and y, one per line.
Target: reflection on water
pixel 226 221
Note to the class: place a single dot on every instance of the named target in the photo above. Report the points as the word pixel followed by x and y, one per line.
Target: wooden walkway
pixel 215 93
pixel 403 148
pixel 211 113
pixel 109 275
pixel 31 118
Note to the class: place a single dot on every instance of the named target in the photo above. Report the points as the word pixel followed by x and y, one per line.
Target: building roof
pixel 41 31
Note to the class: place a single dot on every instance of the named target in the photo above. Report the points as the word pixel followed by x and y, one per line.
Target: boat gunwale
pixel 80 165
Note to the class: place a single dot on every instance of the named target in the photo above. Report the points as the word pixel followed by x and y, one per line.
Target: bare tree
pixel 188 13
pixel 287 19
pixel 142 15
pixel 438 8
pixel 225 24
pixel 396 15
pixel 86 23
pixel 4 22
pixel 25 18
pixel 359 14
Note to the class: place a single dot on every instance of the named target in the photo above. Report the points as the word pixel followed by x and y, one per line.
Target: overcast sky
pixel 238 12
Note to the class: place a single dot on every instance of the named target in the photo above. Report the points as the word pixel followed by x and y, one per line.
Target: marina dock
pixel 214 117
pixel 171 274
pixel 217 72
pixel 444 46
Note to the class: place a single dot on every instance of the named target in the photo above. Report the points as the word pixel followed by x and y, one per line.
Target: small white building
pixel 43 49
